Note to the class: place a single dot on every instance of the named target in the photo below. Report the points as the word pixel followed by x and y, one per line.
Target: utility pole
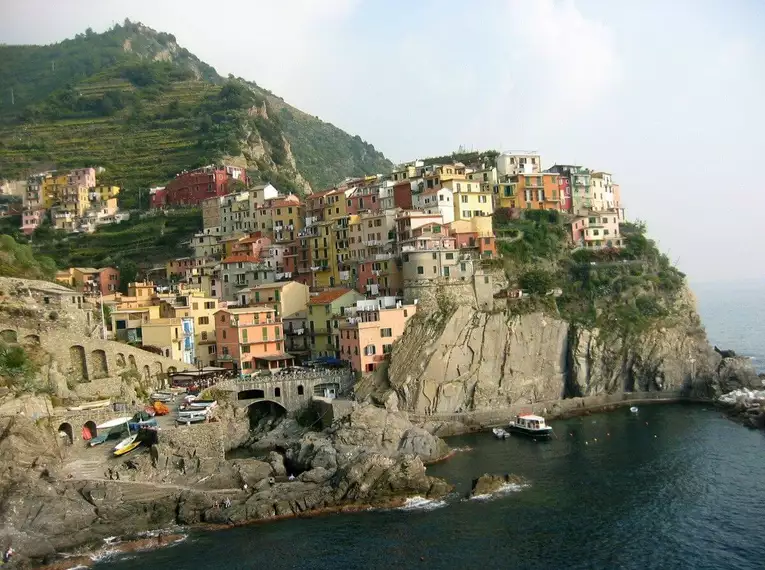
pixel 103 318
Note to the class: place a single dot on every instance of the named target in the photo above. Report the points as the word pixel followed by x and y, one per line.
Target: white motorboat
pixel 499 433
pixel 634 409
pixel 528 424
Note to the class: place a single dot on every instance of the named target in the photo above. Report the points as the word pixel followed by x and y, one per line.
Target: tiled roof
pixel 328 296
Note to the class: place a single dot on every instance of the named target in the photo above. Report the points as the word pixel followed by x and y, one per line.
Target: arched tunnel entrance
pixel 266 414
pixel 66 433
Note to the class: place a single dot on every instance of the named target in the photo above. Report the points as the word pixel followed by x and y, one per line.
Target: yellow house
pixel 104 193
pixel 505 195
pixel 287 218
pixel 65 277
pixel 51 186
pixel 127 324
pixel 325 311
pixel 74 199
pixel 143 291
pixel 324 255
pixel 286 298
pixel 470 199
pixel 165 334
pixel 195 304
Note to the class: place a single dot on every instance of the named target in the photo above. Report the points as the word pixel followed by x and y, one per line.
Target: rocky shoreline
pixel 746 406
pixel 371 459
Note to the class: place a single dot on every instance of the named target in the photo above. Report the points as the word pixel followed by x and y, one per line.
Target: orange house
pixel 537 191
pixel 250 339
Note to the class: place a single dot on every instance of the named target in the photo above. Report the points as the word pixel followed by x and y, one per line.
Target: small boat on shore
pixel 126 445
pixel 192 419
pixel 201 404
pixel 499 433
pixel 531 425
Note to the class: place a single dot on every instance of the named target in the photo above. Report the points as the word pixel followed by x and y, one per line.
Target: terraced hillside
pixel 136 153
pixel 133 101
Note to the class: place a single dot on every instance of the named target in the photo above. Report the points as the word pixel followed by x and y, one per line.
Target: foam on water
pixel 422 504
pixel 502 491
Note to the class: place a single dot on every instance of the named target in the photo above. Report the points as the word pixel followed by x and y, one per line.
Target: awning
pixel 271 358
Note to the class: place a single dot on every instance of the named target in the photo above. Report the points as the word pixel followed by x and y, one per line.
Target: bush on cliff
pixel 18 371
pixel 18 260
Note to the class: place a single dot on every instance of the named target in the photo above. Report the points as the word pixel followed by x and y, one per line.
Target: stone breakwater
pixel 370 458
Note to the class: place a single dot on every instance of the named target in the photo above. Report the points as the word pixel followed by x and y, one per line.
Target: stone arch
pixel 146 372
pixel 131 360
pixel 120 360
pixel 277 392
pixel 98 364
pixel 257 411
pixel 9 335
pixel 66 433
pixel 158 367
pixel 89 430
pixel 301 390
pixel 79 364
pixel 32 339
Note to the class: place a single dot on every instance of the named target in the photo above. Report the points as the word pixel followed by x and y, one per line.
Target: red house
pixel 402 195
pixel 190 188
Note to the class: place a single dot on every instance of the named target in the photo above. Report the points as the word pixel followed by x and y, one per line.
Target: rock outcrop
pixel 472 360
pixel 489 484
pixel 371 458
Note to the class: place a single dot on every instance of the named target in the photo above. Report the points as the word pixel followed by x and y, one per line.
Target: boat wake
pixel 422 504
pixel 501 492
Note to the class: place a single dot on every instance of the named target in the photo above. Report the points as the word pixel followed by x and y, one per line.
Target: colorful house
pixel 250 339
pixel 369 330
pixel 324 312
pixel 286 297
pixel 200 308
pixel 598 230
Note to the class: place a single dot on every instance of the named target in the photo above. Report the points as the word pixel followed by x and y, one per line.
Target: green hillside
pixel 133 101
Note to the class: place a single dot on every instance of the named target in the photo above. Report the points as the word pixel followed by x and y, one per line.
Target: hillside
pixel 133 101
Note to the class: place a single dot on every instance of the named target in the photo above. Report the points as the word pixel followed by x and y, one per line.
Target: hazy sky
pixel 666 95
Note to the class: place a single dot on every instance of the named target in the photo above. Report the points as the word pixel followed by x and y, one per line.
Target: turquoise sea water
pixel 673 487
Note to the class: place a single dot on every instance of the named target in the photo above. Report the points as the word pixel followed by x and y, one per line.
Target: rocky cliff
pixel 477 360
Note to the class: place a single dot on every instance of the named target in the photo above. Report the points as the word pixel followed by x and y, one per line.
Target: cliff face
pixel 472 360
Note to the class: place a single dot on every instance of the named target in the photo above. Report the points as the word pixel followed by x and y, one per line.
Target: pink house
pixel 370 329
pixel 254 246
pixel 82 177
pixel 30 219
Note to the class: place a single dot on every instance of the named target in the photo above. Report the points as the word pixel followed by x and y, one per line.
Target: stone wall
pixel 477 292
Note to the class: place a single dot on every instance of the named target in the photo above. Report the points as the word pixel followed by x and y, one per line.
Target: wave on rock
pixel 502 491
pixel 422 504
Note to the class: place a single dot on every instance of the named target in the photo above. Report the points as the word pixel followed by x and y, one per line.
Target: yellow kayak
pixel 127 449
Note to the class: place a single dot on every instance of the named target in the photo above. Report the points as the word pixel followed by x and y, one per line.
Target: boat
pixel 195 419
pixel 194 412
pixel 634 409
pixel 113 427
pixel 201 404
pixel 126 445
pixel 499 433
pixel 162 397
pixel 135 426
pixel 529 424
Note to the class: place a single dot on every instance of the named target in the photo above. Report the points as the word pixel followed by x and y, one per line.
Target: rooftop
pixel 279 285
pixel 246 310
pixel 326 297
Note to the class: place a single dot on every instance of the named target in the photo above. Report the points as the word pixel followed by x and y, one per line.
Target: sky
pixel 667 96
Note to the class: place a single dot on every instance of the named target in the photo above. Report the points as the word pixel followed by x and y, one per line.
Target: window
pixel 204 320
pixel 370 350
pixel 277 392
pixel 244 335
pixel 387 348
pixel 204 335
pixel 278 346
pixel 277 333
pixel 211 349
pixel 459 186
pixel 486 280
pixel 246 349
pixel 386 332
pixel 463 199
pixel 446 272
pixel 225 350
pixel 265 333
pixel 462 267
pixel 210 304
pixel 301 390
pixel 434 269
pixel 449 255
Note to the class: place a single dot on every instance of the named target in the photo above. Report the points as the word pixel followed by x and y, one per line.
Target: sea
pixel 674 486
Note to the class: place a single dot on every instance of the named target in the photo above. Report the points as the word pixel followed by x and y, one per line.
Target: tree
pixel 536 281
pixel 128 273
